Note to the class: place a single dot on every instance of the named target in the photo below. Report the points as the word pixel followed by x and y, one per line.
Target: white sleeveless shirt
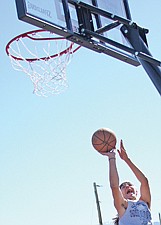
pixel 137 213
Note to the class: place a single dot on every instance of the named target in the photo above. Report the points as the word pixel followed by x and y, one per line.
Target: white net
pixel 44 58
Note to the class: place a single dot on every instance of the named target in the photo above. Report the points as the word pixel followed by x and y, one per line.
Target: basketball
pixel 104 140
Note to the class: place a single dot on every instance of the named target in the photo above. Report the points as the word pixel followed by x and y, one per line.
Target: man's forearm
pixel 137 172
pixel 113 174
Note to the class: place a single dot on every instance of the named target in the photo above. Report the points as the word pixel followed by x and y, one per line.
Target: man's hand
pixel 110 154
pixel 122 152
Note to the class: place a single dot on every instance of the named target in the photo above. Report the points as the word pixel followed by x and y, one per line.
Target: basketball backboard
pixel 69 18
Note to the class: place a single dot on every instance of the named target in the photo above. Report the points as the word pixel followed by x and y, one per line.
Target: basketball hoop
pixel 43 56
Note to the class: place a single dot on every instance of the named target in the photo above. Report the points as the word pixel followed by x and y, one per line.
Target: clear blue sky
pixel 47 163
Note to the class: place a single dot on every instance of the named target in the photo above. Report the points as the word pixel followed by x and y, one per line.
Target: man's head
pixel 128 190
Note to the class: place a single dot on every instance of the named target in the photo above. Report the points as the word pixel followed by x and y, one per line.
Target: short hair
pixel 124 183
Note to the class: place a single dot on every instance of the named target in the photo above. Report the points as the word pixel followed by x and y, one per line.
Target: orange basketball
pixel 104 140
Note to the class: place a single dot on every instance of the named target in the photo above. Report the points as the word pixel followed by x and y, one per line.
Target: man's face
pixel 129 191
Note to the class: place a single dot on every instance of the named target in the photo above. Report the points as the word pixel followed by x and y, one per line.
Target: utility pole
pixel 97 202
pixel 159 218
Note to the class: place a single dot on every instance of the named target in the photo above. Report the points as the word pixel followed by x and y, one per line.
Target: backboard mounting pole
pixel 150 65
